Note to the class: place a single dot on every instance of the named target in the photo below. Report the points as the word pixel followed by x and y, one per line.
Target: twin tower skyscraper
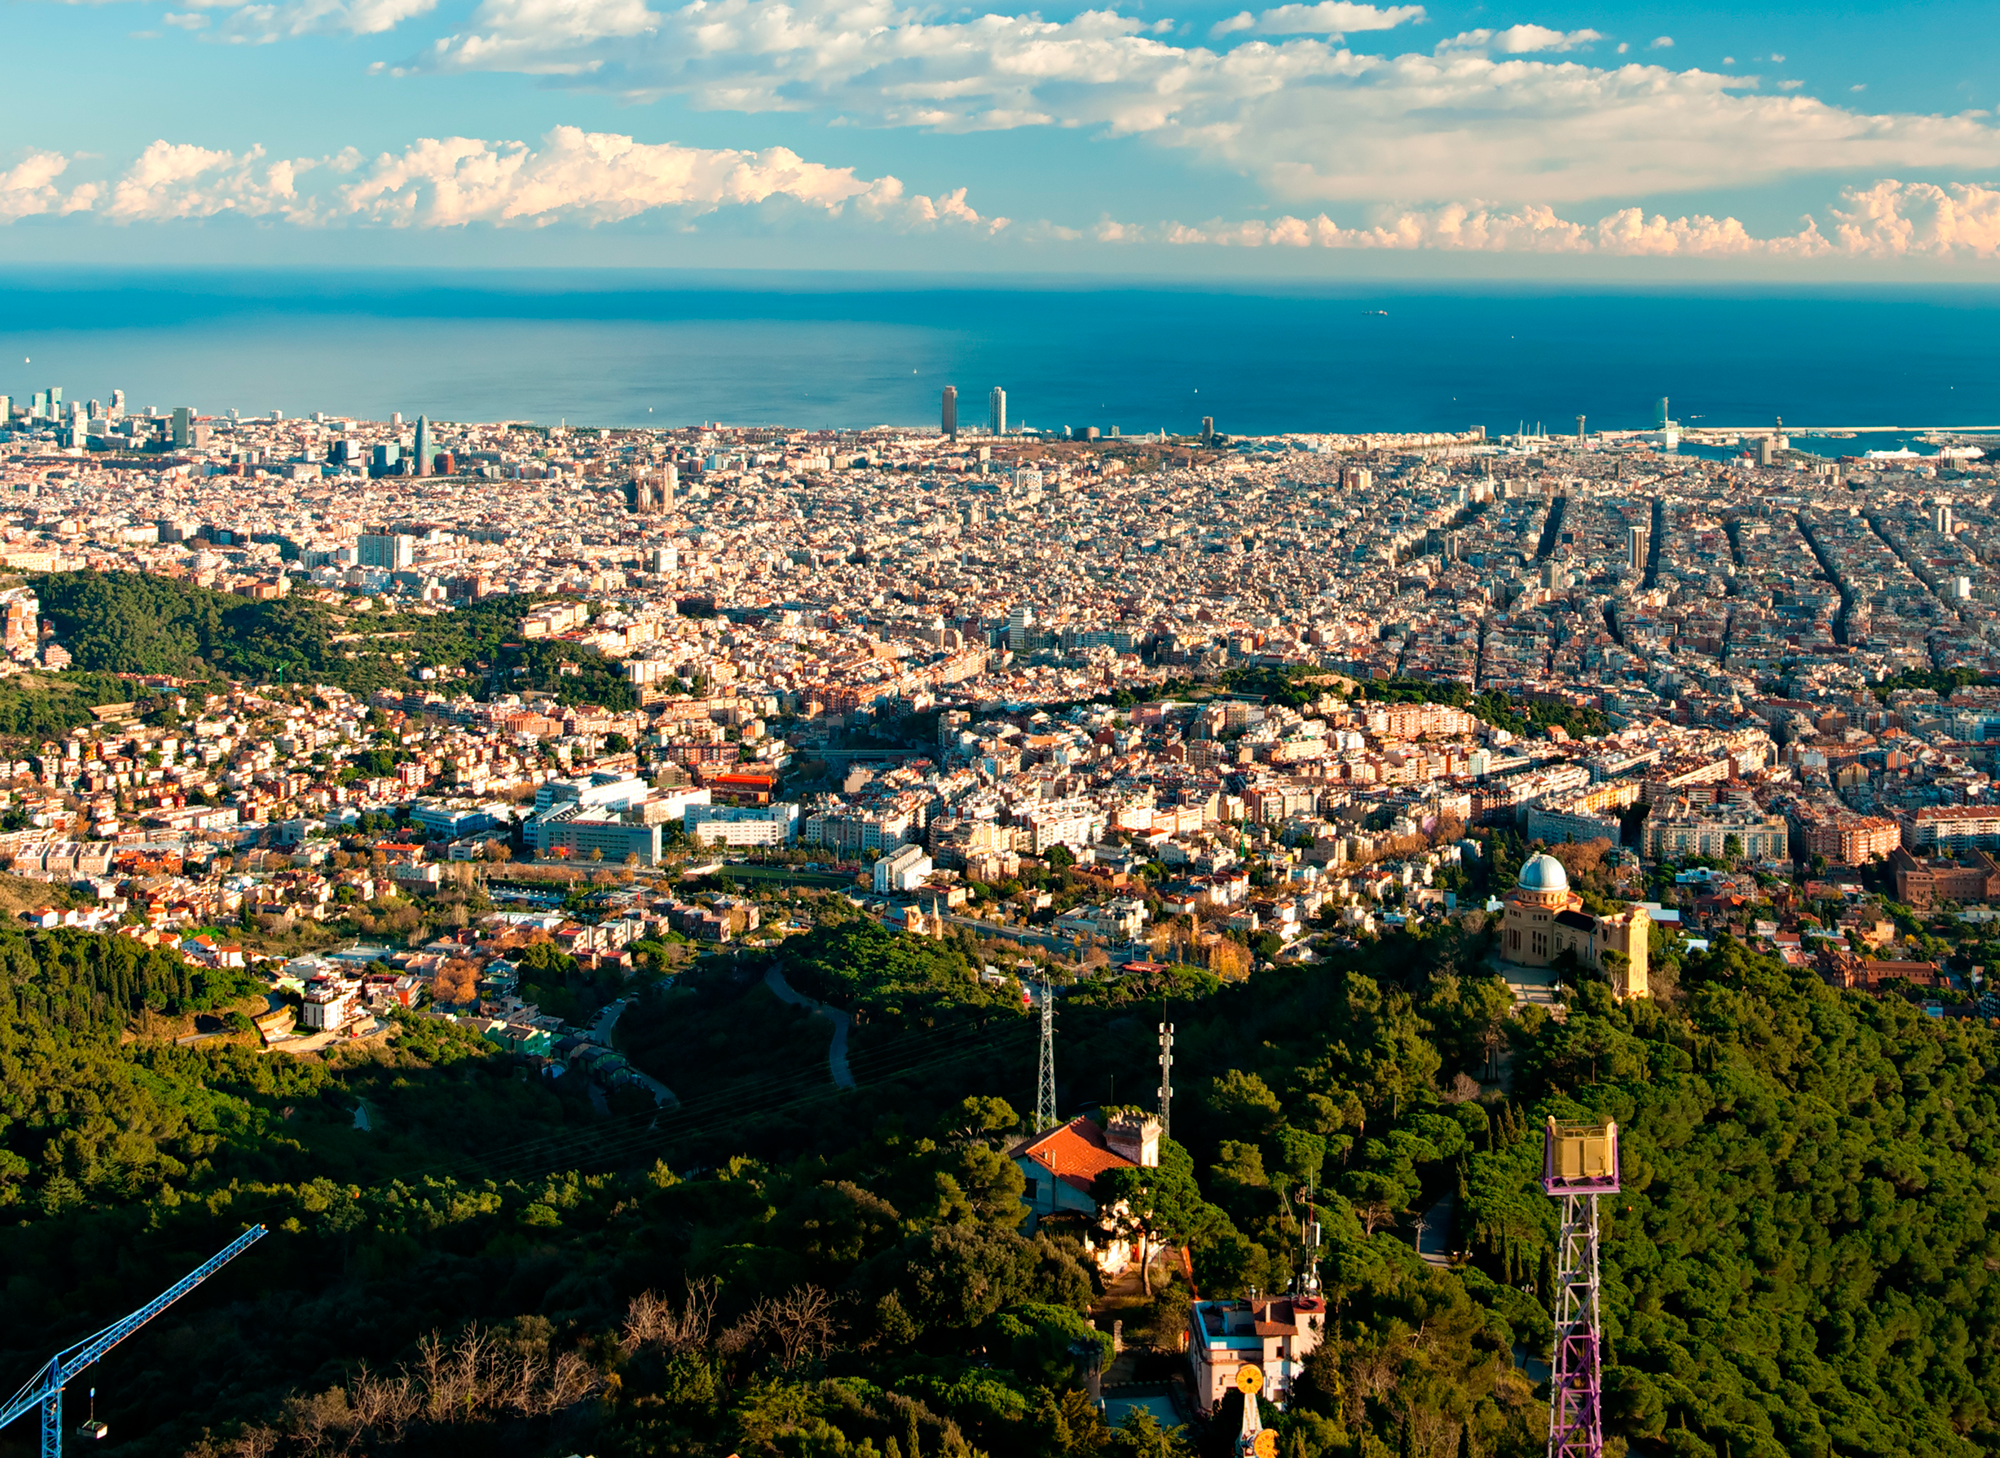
pixel 996 408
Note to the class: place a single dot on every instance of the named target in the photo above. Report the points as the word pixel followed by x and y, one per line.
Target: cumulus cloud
pixel 598 177
pixel 1331 18
pixel 1663 43
pixel 1471 227
pixel 261 24
pixel 179 180
pixel 1508 114
pixel 1519 40
pixel 1894 219
pixel 28 188
pixel 1887 220
pixel 590 177
pixel 574 176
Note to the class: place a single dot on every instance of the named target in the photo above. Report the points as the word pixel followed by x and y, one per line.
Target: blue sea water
pixel 641 347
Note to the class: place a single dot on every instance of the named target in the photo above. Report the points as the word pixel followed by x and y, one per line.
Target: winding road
pixel 836 1053
pixel 600 1033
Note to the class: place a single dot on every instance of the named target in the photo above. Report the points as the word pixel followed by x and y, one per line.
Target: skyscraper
pixel 183 427
pixel 386 550
pixel 423 445
pixel 1637 546
pixel 1019 621
pixel 117 404
pixel 1660 413
pixel 996 405
pixel 950 420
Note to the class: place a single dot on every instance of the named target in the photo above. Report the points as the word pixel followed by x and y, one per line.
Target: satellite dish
pixel 1249 1381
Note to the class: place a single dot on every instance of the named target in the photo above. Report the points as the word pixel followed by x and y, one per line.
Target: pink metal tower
pixel 1579 1163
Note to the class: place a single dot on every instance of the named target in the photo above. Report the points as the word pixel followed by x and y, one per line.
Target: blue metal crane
pixel 45 1388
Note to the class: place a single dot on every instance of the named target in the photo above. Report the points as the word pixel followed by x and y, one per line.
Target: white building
pixel 743 824
pixel 903 869
pixel 600 791
pixel 330 1002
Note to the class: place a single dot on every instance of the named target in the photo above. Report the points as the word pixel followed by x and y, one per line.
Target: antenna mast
pixel 1309 1237
pixel 1045 1081
pixel 1166 1079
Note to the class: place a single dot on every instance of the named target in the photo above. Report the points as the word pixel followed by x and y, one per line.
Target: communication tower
pixel 1309 1237
pixel 1166 1079
pixel 1045 1080
pixel 1579 1163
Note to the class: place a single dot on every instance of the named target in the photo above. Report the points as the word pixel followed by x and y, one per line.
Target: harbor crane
pixel 45 1388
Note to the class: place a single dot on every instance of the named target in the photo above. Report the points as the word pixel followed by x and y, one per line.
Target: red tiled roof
pixel 1076 1152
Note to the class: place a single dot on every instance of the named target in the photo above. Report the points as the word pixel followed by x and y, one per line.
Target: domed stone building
pixel 1542 918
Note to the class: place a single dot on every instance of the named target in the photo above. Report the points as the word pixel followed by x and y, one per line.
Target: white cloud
pixel 28 188
pixel 1895 219
pixel 586 178
pixel 1330 18
pixel 260 24
pixel 1790 85
pixel 179 180
pixel 263 21
pixel 597 177
pixel 574 177
pixel 1470 227
pixel 582 177
pixel 1498 114
pixel 1888 220
pixel 1519 40
pixel 1662 43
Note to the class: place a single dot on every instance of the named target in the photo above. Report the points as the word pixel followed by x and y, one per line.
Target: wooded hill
pixel 1801 1262
pixel 133 622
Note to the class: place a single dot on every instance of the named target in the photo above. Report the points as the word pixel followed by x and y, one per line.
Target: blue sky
pixel 1284 139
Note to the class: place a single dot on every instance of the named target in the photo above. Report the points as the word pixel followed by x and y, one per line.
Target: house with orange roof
pixel 1061 1165
pixel 1273 1334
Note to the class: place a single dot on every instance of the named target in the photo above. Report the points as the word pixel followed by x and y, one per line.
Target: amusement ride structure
pixel 1579 1163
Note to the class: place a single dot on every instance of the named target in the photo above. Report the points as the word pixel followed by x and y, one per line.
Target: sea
pixel 634 347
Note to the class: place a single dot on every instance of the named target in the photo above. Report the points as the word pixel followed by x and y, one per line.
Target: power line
pixel 760 1097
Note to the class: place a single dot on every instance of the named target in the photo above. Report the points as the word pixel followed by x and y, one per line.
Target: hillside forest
pixel 133 622
pixel 469 1257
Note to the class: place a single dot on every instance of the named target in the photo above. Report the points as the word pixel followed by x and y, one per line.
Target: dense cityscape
pixel 582 753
